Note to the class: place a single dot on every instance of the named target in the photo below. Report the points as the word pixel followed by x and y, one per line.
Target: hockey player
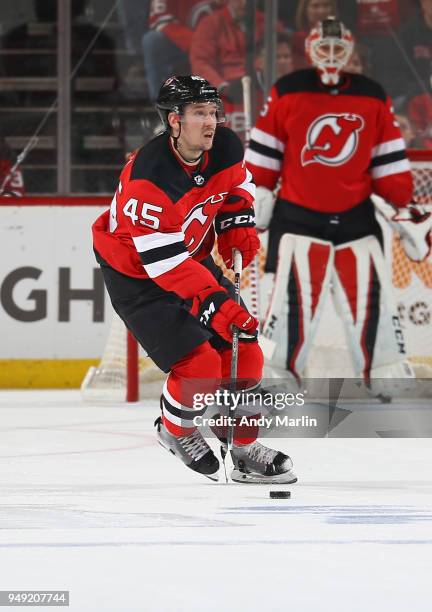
pixel 331 140
pixel 154 247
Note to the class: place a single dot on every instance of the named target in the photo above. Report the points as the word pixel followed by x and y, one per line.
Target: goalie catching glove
pixel 414 225
pixel 217 311
pixel 236 230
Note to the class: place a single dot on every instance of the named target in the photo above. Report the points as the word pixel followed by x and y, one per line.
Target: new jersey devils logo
pixel 199 220
pixel 332 139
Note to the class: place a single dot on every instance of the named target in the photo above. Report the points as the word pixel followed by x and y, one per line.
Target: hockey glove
pixel 414 227
pixel 217 311
pixel 263 205
pixel 236 230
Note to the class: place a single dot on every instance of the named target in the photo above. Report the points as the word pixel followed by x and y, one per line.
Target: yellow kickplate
pixel 43 373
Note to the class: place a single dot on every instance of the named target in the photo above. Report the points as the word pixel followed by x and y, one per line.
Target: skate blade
pixel 213 477
pixel 287 478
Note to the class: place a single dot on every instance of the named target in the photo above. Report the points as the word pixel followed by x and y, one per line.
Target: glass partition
pixel 78 78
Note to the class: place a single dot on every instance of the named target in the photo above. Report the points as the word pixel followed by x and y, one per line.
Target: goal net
pixel 125 372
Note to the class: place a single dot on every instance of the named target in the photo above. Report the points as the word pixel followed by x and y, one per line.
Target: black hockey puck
pixel 280 494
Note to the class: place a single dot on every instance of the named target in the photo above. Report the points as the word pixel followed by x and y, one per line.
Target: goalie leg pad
pixel 364 298
pixel 300 287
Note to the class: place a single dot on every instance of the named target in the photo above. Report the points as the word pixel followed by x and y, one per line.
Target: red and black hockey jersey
pixel 161 221
pixel 330 146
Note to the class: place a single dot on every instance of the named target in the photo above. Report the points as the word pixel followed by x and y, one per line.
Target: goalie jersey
pixel 163 216
pixel 330 146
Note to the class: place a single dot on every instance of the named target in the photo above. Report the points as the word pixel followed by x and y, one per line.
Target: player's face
pixel 198 126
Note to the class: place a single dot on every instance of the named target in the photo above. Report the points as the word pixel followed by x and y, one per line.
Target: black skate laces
pixel 195 445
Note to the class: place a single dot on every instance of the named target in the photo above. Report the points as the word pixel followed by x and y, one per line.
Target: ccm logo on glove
pixel 217 311
pixel 237 231
pixel 241 218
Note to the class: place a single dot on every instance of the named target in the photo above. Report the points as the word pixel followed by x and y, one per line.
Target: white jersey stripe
pixel 156 240
pixel 267 139
pixel 398 144
pixel 387 169
pixel 262 161
pixel 165 265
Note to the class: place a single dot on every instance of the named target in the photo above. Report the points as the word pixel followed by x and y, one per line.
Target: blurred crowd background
pixel 78 78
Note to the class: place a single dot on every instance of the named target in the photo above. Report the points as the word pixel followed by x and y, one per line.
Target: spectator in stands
pixel 167 43
pixel 416 38
pixel 309 13
pixel 403 59
pixel 284 58
pixel 284 65
pixel 218 50
pixel 133 15
pixel 420 113
pixel 218 53
pixel 378 17
pixel 407 131
pixel 11 180
pixel 360 60
pixel 287 11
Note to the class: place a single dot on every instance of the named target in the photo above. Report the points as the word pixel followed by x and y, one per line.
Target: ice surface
pixel 91 504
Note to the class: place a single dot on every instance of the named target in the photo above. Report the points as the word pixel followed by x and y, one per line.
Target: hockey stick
pixel 238 264
pixel 254 265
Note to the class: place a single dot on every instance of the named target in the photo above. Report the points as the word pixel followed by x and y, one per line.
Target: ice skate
pixel 193 450
pixel 256 463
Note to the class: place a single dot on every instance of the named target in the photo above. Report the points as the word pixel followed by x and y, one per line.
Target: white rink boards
pixel 91 504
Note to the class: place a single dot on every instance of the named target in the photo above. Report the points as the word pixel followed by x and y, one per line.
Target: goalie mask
pixel 329 47
pixel 178 91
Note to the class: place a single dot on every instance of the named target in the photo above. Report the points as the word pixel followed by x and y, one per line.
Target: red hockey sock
pixel 193 376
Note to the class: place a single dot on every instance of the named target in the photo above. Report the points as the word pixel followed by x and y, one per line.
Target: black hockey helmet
pixel 177 91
